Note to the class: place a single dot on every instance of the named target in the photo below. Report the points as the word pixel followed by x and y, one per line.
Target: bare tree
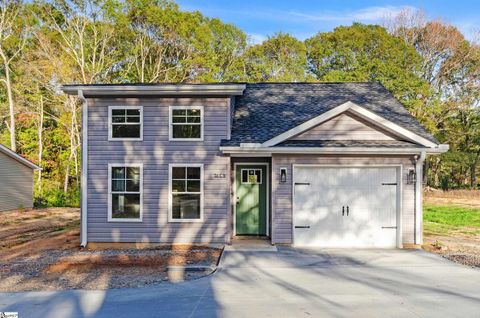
pixel 13 36
pixel 407 24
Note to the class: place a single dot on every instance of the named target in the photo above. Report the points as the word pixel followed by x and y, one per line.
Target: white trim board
pixel 84 178
pixel 269 194
pixel 10 153
pixel 268 151
pixel 357 110
pixel 158 89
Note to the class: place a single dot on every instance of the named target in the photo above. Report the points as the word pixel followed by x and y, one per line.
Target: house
pixel 308 164
pixel 16 180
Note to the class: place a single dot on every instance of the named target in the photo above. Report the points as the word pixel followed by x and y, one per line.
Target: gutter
pixel 84 178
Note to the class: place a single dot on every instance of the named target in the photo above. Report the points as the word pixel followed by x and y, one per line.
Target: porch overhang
pixel 260 149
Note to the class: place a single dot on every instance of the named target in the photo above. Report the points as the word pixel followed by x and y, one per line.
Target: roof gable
pixel 346 126
pixel 382 123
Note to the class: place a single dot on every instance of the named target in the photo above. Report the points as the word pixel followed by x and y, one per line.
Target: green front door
pixel 251 195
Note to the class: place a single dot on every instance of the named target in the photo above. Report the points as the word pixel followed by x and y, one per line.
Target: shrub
pixel 58 198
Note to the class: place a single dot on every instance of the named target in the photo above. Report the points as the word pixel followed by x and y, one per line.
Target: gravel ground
pixel 459 248
pixel 39 250
pixel 465 259
pixel 87 269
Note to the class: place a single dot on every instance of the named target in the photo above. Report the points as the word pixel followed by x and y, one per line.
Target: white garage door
pixel 345 207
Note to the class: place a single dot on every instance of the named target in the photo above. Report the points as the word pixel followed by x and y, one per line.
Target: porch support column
pixel 418 198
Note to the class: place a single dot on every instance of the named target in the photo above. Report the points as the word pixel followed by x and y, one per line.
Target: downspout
pixel 418 213
pixel 84 181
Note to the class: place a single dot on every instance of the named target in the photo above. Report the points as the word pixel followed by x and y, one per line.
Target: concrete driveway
pixel 287 283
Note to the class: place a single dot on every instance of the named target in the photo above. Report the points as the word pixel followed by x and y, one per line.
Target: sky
pixel 302 18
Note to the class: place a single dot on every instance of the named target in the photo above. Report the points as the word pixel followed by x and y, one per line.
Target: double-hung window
pixel 186 193
pixel 125 123
pixel 186 123
pixel 125 192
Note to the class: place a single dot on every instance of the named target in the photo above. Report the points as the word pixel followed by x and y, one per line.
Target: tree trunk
pixel 67 174
pixel 40 146
pixel 73 147
pixel 473 171
pixel 8 84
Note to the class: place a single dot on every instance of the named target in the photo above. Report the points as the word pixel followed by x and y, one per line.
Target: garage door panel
pixel 368 199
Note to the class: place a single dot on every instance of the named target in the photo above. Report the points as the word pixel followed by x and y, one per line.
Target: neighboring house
pixel 16 180
pixel 317 164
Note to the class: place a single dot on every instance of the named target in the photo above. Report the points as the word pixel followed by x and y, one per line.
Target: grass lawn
pixel 445 220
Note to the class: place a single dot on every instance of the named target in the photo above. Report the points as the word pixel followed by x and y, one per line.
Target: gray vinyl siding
pixel 16 184
pixel 282 196
pixel 156 152
pixel 344 127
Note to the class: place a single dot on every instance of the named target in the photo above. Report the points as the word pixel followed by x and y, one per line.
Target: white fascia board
pixel 250 145
pixel 331 150
pixel 358 110
pixel 167 89
pixel 390 126
pixel 19 158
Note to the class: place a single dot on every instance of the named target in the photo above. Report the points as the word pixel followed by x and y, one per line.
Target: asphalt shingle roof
pixel 266 110
pixel 348 143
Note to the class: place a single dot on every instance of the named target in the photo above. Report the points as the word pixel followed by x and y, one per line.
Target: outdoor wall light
pixel 283 175
pixel 411 176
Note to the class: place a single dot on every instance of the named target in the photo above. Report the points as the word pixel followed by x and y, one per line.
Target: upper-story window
pixel 125 122
pixel 186 123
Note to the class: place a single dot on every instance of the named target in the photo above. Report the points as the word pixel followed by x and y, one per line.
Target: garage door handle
pixel 389 227
pixel 302 183
pixel 302 226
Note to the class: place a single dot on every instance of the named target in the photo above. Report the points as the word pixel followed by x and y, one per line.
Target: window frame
pixel 171 124
pixel 110 123
pixel 248 169
pixel 170 192
pixel 110 206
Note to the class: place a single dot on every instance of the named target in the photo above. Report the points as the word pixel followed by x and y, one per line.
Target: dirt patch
pixel 465 198
pixel 86 269
pixel 40 250
pixel 460 244
pixel 456 246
